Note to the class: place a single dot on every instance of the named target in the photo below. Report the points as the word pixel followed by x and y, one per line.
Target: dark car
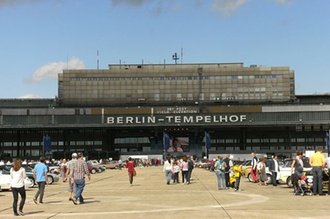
pixel 92 169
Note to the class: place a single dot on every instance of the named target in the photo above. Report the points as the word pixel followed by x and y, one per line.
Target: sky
pixel 40 38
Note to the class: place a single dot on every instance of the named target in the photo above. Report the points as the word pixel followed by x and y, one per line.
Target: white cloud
pixel 51 70
pixel 30 96
pixel 284 1
pixel 4 3
pixel 130 2
pixel 227 6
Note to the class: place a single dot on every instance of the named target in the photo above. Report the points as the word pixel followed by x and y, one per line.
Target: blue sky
pixel 40 38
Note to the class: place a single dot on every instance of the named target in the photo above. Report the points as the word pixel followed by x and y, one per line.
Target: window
pixel 35 143
pixel 7 144
pixel 97 142
pixel 300 139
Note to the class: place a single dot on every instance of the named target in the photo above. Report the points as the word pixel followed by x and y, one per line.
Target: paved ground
pixel 108 195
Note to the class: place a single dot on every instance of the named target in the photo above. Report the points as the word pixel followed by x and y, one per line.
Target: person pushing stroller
pixel 297 168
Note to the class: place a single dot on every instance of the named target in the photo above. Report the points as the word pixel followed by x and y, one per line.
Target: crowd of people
pixel 174 165
pixel 228 173
pixel 258 170
pixel 75 171
pixel 317 162
pixel 177 169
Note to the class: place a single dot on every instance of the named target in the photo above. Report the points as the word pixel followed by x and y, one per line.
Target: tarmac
pixel 109 195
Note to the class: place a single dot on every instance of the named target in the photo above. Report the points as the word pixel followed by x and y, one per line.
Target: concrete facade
pixel 183 83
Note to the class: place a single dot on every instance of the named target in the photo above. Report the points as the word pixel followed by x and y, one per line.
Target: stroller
pixel 300 185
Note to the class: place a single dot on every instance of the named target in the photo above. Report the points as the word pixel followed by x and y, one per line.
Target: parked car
pixel 110 164
pixel 5 180
pixel 94 162
pixel 285 170
pixel 94 168
pixel 209 166
pixel 101 168
pixel 246 164
pixel 52 177
pixel 204 163
pixel 54 169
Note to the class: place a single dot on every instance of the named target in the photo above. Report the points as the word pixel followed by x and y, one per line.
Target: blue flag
pixel 166 141
pixel 47 143
pixel 207 140
pixel 327 139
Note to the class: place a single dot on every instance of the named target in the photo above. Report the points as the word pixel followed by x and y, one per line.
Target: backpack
pixel 223 166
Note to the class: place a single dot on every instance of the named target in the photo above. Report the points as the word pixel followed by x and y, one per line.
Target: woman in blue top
pixel 220 170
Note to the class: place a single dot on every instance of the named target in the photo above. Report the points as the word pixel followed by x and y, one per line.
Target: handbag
pixel 134 172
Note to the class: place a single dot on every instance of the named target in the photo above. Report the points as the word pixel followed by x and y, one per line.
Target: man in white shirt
pixel 275 169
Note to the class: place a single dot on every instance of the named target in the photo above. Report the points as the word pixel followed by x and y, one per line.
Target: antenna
pixel 181 55
pixel 97 62
pixel 175 58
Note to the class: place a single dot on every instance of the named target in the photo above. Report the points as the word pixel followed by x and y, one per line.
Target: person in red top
pixel 130 168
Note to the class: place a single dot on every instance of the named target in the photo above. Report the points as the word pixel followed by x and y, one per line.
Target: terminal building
pixel 138 109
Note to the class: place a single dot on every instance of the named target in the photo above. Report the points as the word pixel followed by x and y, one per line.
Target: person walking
pixel 317 161
pixel 77 175
pixel 175 171
pixel 229 165
pixel 41 178
pixel 254 164
pixel 63 168
pixel 220 169
pixel 17 174
pixel 297 166
pixel 275 169
pixel 70 164
pixel 184 169
pixel 191 166
pixel 167 169
pixel 130 169
pixel 262 171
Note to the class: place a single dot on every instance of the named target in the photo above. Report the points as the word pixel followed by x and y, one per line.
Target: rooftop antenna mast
pixel 175 58
pixel 98 61
pixel 181 55
pixel 67 61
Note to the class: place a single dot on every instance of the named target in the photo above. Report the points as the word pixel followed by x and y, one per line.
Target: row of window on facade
pixel 189 96
pixel 145 140
pixel 161 78
pixel 14 153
